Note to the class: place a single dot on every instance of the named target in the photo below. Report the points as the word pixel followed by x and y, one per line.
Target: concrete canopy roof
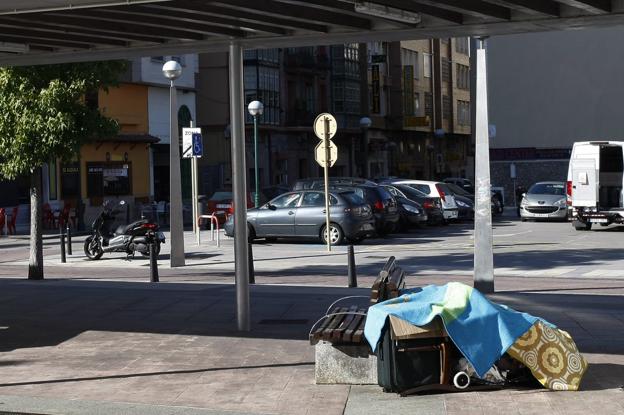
pixel 52 31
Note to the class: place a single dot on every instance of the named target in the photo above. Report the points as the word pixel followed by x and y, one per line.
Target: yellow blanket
pixel 552 357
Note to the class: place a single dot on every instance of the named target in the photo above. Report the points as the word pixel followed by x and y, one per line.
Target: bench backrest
pixel 387 285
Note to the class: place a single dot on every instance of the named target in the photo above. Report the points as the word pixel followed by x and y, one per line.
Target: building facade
pixel 547 91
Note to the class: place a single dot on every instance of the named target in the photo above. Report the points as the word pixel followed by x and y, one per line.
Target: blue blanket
pixel 481 329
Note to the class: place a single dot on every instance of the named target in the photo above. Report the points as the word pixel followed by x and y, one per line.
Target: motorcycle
pixel 132 238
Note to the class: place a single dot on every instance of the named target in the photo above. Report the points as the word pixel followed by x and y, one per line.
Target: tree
pixel 44 116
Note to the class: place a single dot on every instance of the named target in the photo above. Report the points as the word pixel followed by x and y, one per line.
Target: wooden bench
pixel 345 324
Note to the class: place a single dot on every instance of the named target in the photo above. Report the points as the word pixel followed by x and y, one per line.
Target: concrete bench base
pixel 344 364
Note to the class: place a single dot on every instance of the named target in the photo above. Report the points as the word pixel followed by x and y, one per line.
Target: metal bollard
pixel 69 242
pixel 211 230
pixel 252 276
pixel 352 273
pixel 62 237
pixel 153 263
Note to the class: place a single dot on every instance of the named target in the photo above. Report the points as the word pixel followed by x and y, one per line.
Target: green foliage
pixel 43 114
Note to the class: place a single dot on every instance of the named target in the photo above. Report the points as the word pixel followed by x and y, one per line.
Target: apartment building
pixel 420 107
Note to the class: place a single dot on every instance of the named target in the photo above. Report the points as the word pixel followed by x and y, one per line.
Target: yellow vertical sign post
pixel 326 154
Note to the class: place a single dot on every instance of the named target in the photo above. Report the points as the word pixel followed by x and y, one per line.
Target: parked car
pixel 319 182
pixel 436 189
pixel 301 215
pixel 383 205
pixel 544 200
pixel 220 204
pixel 411 214
pixel 464 187
pixel 431 205
pixel 465 184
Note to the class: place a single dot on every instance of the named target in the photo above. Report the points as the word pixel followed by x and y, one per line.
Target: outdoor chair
pixel 11 221
pixel 48 217
pixel 2 220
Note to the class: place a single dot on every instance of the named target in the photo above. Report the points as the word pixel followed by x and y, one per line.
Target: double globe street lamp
pixel 255 109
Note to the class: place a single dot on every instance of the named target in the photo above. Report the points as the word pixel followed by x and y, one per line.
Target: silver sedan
pixel 301 215
pixel 544 200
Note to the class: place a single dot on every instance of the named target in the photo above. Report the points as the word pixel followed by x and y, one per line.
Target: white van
pixel 595 183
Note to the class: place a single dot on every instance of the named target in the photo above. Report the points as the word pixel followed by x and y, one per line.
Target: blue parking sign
pixel 198 146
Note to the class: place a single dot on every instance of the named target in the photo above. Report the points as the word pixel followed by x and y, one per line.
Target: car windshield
pixel 457 190
pixel 547 189
pixel 352 198
pixel 221 196
pixel 410 192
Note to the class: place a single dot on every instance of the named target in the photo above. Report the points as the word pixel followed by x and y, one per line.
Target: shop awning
pixel 130 138
pixel 49 31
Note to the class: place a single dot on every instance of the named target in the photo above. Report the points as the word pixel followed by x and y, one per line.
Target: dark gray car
pixel 302 215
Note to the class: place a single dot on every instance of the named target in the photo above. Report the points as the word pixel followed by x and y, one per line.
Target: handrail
pixel 214 222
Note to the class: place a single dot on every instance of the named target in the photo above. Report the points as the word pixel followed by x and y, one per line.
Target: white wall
pixel 151 71
pixel 158 108
pixel 552 89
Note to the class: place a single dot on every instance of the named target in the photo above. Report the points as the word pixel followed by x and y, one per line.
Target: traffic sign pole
pixel 326 177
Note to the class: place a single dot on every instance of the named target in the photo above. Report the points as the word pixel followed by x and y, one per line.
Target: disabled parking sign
pixel 198 146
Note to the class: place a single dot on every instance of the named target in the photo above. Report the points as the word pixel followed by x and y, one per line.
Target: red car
pixel 220 203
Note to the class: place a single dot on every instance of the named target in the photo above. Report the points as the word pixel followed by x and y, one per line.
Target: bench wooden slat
pixel 334 321
pixel 396 281
pixel 388 268
pixel 316 335
pixel 358 334
pixel 339 331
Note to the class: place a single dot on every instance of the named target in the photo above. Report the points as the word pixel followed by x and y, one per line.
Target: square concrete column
pixel 239 186
pixel 483 253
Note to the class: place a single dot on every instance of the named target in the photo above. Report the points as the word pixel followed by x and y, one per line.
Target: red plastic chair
pixel 64 216
pixel 11 222
pixel 2 220
pixel 48 217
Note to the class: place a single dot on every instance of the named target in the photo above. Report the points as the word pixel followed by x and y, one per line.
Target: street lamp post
pixel 255 109
pixel 172 71
pixel 365 124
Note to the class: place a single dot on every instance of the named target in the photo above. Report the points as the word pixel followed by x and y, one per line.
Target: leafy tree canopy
pixel 43 113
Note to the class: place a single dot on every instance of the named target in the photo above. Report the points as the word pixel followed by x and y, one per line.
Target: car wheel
pixel 92 248
pixel 523 219
pixel 335 234
pixel 582 226
pixel 251 234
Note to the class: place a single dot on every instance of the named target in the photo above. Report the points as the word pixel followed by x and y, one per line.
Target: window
pixel 461 45
pixel 463 112
pixel 313 199
pixel 263 83
pixel 446 107
pixel 109 179
pixel 288 200
pixel 70 180
pixel 446 70
pixel 463 76
pixel 427 65
pixel 428 104
pixel 179 59
pixel 410 58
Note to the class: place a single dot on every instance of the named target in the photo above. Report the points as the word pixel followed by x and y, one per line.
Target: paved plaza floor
pixel 102 340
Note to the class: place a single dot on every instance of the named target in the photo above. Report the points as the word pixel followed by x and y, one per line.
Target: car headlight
pixel 462 204
pixel 411 209
pixel 524 202
pixel 561 202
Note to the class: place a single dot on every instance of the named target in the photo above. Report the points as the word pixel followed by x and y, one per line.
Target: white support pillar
pixel 239 186
pixel 483 253
pixel 176 225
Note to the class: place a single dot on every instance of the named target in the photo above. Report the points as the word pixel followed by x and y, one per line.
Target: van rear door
pixel 584 182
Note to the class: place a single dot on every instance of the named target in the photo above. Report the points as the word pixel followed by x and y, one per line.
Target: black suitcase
pixel 399 369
